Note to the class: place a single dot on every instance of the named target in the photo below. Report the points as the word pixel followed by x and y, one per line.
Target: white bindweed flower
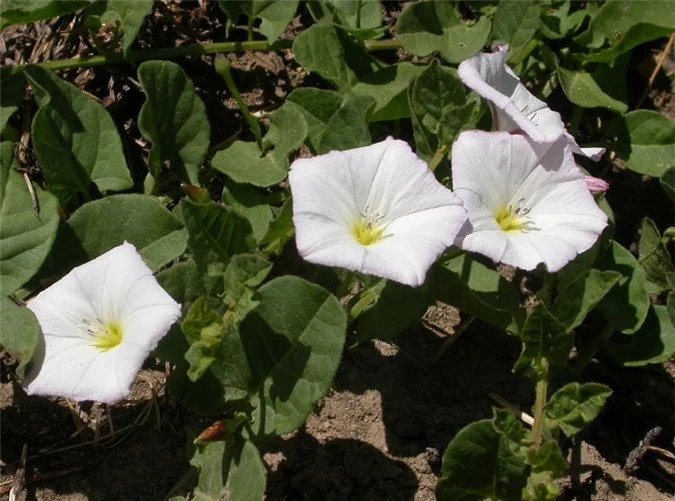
pixel 527 204
pixel 513 107
pixel 99 323
pixel 377 209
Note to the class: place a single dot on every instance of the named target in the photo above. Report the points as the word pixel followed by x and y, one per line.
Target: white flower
pixel 513 106
pixel 376 209
pixel 527 204
pixel 99 323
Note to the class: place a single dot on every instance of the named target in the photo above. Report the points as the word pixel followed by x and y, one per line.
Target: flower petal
pixel 494 171
pixel 118 289
pixel 418 217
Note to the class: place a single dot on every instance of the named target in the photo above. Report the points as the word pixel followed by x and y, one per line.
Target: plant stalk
pixel 138 56
pixel 359 4
pixel 223 66
pixel 438 157
pixel 541 392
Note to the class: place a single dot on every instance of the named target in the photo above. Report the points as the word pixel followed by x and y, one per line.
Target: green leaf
pixel 330 51
pixel 183 282
pixel 215 234
pixel 25 238
pixel 634 36
pixel 575 406
pixel 293 341
pixel 540 487
pixel 668 183
pixel 388 86
pixel 333 124
pixel 347 128
pixel 644 139
pixel 543 336
pixel 141 220
pixel 654 257
pixel 516 23
pixel 604 88
pixel 548 457
pixel 243 275
pixel 344 13
pixel 317 107
pixel 20 332
pixel 174 119
pixel 244 163
pixel 252 205
pixel 280 231
pixel 30 11
pixel 396 308
pixel 654 343
pixel 75 141
pixel 425 27
pixel 439 109
pixel 131 13
pixel 477 290
pixel 614 20
pixel 627 304
pixel 558 23
pixel 580 297
pixel 288 129
pixel 481 463
pixel 10 97
pixel 230 469
pixel 275 16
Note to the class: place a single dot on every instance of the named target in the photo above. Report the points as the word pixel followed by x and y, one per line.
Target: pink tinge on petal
pixel 596 185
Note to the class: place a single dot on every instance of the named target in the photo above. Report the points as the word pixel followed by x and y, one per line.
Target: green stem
pixel 359 4
pixel 541 392
pixel 138 56
pixel 438 157
pixel 520 57
pixel 223 66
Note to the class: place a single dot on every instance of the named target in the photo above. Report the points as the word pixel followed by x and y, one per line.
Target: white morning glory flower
pixel 527 204
pixel 377 209
pixel 513 107
pixel 99 323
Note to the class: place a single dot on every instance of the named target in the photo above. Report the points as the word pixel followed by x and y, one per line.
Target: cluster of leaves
pixel 258 347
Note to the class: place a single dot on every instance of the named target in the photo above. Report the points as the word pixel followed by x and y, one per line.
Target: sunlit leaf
pixel 215 234
pixel 131 14
pixel 30 11
pixel 231 469
pixel 252 205
pixel 613 22
pixel 644 139
pixel 20 333
pixel 244 163
pixel 426 27
pixel 575 406
pixel 626 305
pixel 75 140
pixel 516 23
pixel 654 257
pixel 479 463
pixel 575 301
pixel 543 337
pixel 174 119
pixel 293 341
pixel 604 88
pixel 332 53
pixel 138 219
pixel 25 237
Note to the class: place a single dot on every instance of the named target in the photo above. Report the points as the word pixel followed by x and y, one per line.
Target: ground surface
pixel 380 433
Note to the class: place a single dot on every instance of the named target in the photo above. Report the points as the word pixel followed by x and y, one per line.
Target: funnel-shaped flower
pixel 527 204
pixel 376 209
pixel 99 323
pixel 513 106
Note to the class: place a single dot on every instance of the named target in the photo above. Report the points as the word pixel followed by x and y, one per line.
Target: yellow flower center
pixel 366 233
pixel 509 219
pixel 108 336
